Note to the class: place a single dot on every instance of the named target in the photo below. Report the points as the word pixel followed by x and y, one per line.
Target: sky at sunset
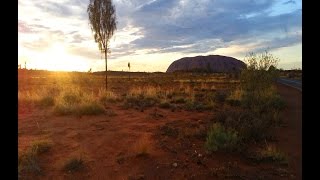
pixel 151 34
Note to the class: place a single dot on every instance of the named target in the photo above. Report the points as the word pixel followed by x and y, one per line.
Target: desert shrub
pixel 263 104
pixel 165 105
pixel 41 97
pixel 40 146
pixel 29 160
pixel 92 108
pixel 195 105
pixel 253 127
pixel 257 91
pixel 140 101
pixel 250 126
pixel 220 96
pixel 235 97
pixel 64 109
pixel 169 131
pixel 81 78
pixel 271 154
pixel 29 97
pixel 73 101
pixel 70 98
pixel 260 72
pixel 46 101
pixel 220 138
pixel 148 92
pixel 233 102
pixel 107 96
pixel 179 100
pixel 257 80
pixel 54 91
pixel 74 164
pixel 275 102
pixel 190 106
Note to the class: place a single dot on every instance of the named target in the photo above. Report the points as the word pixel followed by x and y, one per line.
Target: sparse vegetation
pixel 196 132
pixel 40 146
pixel 165 105
pixel 257 81
pixel 250 126
pixel 28 161
pixel 46 101
pixel 74 101
pixel 256 92
pixel 179 100
pixel 240 124
pixel 269 153
pixel 107 96
pixel 220 138
pixel 74 164
pixel 169 131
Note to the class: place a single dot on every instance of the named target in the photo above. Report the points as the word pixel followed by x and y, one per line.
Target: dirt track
pixel 290 137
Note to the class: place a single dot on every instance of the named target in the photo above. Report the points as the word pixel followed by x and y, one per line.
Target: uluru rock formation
pixel 211 63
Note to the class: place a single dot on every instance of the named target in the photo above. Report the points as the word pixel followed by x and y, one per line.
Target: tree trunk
pixel 105 55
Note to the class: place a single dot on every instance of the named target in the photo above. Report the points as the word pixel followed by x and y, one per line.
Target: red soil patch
pixel 140 145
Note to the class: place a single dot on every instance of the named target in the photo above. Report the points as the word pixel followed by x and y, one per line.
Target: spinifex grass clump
pixel 107 96
pixel 43 97
pixel 75 101
pixel 271 153
pixel 74 164
pixel 141 98
pixel 28 161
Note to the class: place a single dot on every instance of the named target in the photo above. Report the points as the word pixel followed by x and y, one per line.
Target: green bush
pixel 250 126
pixel 276 102
pixel 257 82
pixel 220 138
pixel 107 97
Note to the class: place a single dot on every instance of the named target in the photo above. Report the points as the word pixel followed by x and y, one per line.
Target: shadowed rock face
pixel 211 63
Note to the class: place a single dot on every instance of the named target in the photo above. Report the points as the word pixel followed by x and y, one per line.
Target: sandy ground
pixel 111 145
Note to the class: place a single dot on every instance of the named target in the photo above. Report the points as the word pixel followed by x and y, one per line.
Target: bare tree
pixel 102 16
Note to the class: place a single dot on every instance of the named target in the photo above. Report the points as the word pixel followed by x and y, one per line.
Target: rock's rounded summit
pixel 211 63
